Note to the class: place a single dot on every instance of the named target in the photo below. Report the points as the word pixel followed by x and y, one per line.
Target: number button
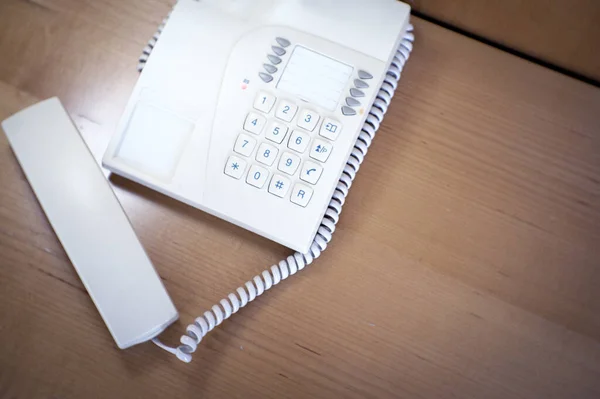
pixel 286 110
pixel 308 119
pixel 276 132
pixel 288 163
pixel 244 145
pixel 254 123
pixel 298 141
pixel 311 172
pixel 235 167
pixel 301 194
pixel 257 176
pixel 330 129
pixel 266 154
pixel 279 186
pixel 321 150
pixel 264 102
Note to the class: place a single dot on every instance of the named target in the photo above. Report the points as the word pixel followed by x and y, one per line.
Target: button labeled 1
pixel 301 194
pixel 264 102
pixel 330 129
pixel 321 150
pixel 308 119
pixel 311 172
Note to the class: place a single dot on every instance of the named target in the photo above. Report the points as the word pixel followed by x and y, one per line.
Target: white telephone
pixel 259 112
pixel 249 109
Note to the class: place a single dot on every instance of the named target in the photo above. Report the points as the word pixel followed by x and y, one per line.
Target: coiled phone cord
pixel 293 263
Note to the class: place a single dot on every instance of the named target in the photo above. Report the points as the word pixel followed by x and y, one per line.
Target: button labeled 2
pixel 286 110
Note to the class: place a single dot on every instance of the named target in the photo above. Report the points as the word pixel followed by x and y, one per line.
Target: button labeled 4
pixel 254 123
pixel 311 172
pixel 286 110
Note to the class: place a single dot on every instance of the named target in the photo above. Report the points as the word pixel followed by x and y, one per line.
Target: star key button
pixel 235 167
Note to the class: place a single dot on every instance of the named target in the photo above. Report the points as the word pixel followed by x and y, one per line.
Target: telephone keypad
pixel 274 160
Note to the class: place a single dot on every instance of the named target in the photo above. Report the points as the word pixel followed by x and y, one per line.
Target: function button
pixel 254 123
pixel 264 102
pixel 279 186
pixel 330 129
pixel 274 59
pixel 257 176
pixel 311 172
pixel 244 145
pixel 270 68
pixel 360 84
pixel 364 74
pixel 278 50
pixel 308 119
pixel 301 194
pixel 265 77
pixel 348 111
pixel 282 42
pixel 235 167
pixel 286 110
pixel 352 102
pixel 356 93
pixel 321 150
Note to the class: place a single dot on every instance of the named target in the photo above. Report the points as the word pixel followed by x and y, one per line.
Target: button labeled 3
pixel 308 119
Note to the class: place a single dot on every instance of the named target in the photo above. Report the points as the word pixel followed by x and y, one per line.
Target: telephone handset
pixel 259 112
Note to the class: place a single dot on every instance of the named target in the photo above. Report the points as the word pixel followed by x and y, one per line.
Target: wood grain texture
pixel 564 33
pixel 466 262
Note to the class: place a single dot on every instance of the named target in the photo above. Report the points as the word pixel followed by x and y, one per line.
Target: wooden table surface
pixel 466 263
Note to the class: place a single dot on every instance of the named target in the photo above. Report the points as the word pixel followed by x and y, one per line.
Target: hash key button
pixel 279 186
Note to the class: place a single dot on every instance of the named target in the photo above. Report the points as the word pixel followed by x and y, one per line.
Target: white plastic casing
pixel 189 105
pixel 90 223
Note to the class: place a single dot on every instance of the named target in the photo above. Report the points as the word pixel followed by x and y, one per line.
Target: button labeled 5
pixel 244 145
pixel 264 102
pixel 254 123
pixel 276 132
pixel 286 110
pixel 298 141
pixel 308 119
